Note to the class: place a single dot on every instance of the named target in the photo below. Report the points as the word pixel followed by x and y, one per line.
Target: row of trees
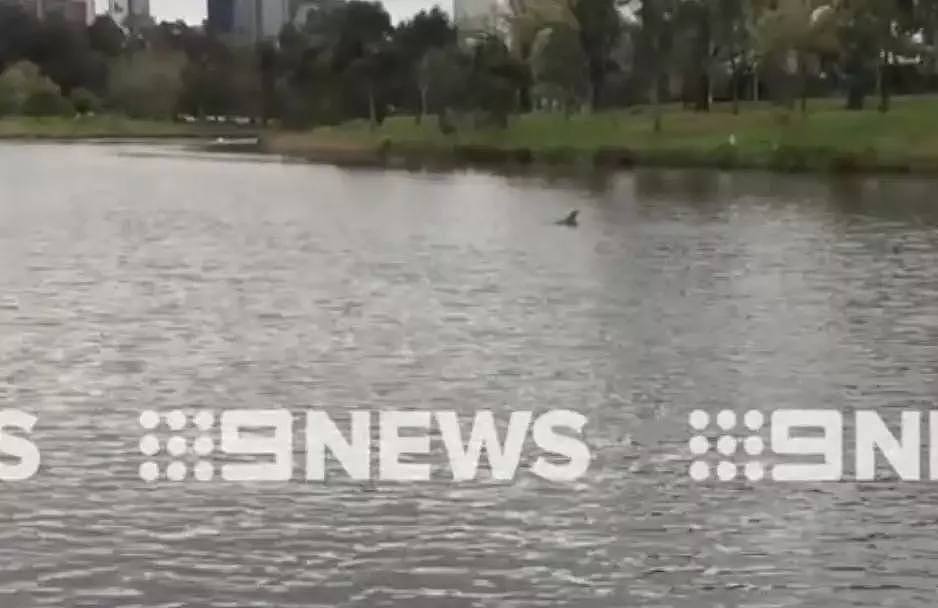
pixel 571 54
pixel 701 50
pixel 789 49
pixel 349 60
pixel 154 71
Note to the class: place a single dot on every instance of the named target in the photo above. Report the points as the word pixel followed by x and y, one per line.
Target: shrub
pixel 147 84
pixel 47 103
pixel 21 82
pixel 85 102
pixel 724 156
pixel 9 103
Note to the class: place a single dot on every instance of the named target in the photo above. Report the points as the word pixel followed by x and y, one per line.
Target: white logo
pixel 19 448
pixel 815 441
pixel 268 436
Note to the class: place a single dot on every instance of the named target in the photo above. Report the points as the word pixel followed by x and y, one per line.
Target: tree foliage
pixel 600 28
pixel 148 84
pixel 560 67
pixel 24 89
pixel 347 60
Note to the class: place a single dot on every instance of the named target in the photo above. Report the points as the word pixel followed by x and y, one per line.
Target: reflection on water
pixel 138 277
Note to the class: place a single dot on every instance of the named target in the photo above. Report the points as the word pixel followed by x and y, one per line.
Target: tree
pixel 106 37
pixel 426 30
pixel 858 42
pixel 694 46
pixel 414 41
pixel 359 27
pixel 734 37
pixel 527 18
pixel 370 71
pixel 147 84
pixel 267 62
pixel 600 28
pixel 21 85
pixel 18 33
pixel 892 26
pixel 340 62
pixel 495 79
pixel 926 12
pixel 795 36
pixel 63 52
pixel 560 67
pixel 442 75
pixel 655 48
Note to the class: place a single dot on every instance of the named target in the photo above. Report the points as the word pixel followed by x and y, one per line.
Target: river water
pixel 139 277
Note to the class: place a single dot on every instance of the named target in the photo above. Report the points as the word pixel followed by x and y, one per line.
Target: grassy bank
pixel 828 138
pixel 21 127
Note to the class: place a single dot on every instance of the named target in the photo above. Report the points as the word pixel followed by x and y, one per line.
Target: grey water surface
pixel 137 277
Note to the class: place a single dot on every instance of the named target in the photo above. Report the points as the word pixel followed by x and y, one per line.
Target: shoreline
pixel 104 136
pixel 106 127
pixel 827 139
pixel 409 156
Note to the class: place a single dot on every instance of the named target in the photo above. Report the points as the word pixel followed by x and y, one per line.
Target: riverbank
pixel 826 139
pixel 110 127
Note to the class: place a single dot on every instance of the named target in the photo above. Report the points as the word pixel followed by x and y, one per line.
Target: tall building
pixel 248 21
pixel 30 6
pixel 127 12
pixel 74 11
pixel 302 10
pixel 476 16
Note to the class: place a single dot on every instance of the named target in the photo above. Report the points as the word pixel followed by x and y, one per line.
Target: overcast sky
pixel 193 11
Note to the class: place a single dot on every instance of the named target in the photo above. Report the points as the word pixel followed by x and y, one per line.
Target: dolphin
pixel 570 220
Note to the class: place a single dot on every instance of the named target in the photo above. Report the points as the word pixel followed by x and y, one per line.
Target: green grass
pixel 826 138
pixel 104 126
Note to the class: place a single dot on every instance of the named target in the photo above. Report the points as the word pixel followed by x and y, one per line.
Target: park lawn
pixel 827 137
pixel 103 126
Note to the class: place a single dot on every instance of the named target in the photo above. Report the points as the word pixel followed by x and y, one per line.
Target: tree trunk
pixel 803 76
pixel 734 85
pixel 372 108
pixel 855 96
pixel 597 85
pixel 705 48
pixel 702 94
pixel 931 34
pixel 424 95
pixel 755 81
pixel 934 42
pixel 883 84
pixel 656 103
pixel 525 99
pixel 594 95
pixel 856 80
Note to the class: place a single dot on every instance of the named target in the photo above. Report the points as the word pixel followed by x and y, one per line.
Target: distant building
pixel 245 22
pixel 30 6
pixel 73 11
pixel 473 17
pixel 303 9
pixel 126 13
